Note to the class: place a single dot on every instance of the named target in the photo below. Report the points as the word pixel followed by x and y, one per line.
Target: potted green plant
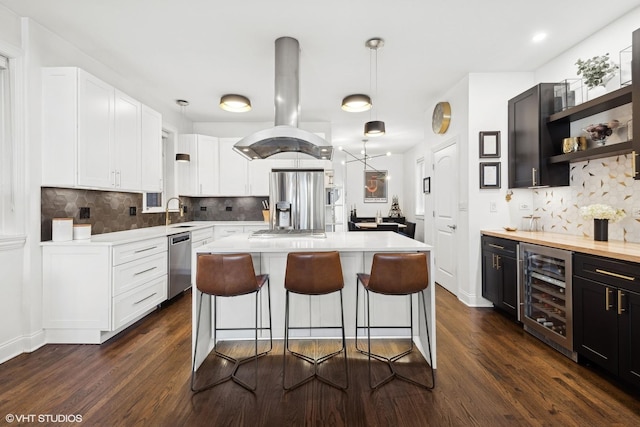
pixel 596 71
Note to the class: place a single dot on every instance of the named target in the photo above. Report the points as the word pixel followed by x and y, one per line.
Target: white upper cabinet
pixel 127 157
pixel 260 174
pixel 199 176
pixel 151 150
pixel 233 170
pixel 95 107
pixel 92 135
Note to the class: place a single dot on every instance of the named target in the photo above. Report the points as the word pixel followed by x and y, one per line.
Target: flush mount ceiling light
pixel 374 127
pixel 235 103
pixel 356 103
pixel 182 157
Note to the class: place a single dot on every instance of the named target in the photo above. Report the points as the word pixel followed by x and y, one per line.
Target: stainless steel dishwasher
pixel 179 263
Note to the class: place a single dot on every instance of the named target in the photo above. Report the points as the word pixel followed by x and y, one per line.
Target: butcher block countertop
pixel 616 249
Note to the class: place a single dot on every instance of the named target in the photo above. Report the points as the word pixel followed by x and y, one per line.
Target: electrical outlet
pixel 635 212
pixel 228 208
pixel 85 213
pixel 132 211
pixel 524 207
pixel 493 207
pixel 203 208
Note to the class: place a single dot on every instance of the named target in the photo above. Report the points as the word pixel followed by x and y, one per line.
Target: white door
pixel 445 194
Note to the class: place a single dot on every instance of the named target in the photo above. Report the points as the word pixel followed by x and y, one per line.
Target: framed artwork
pixel 375 186
pixel 426 185
pixel 490 175
pixel 490 144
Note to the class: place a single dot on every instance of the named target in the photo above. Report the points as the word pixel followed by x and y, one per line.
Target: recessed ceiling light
pixel 537 38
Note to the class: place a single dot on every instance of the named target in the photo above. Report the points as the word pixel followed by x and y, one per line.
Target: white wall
pixel 409 187
pixel 479 103
pixel 354 185
pixel 12 206
pixel 21 284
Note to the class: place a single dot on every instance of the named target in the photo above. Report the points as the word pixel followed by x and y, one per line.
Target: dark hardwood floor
pixel 489 373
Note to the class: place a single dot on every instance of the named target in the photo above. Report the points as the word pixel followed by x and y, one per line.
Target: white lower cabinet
pixel 92 292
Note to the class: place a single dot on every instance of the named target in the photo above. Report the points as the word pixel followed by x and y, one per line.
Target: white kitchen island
pixel 356 255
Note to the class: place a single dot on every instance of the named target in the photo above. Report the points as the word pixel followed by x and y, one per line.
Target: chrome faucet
pixel 167 221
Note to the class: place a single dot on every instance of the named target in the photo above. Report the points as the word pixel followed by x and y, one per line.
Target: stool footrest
pixel 316 363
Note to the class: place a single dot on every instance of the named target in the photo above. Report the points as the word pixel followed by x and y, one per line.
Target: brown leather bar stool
pixel 401 274
pixel 230 275
pixel 313 273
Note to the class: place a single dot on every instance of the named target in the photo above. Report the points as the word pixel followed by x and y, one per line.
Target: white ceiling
pixel 199 50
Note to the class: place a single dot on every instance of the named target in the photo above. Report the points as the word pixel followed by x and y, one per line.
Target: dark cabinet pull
pixel 607 302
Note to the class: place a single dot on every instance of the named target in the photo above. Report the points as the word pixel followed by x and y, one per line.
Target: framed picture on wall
pixel 490 144
pixel 490 175
pixel 375 186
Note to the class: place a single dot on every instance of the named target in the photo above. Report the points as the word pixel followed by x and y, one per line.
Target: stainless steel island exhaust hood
pixel 285 136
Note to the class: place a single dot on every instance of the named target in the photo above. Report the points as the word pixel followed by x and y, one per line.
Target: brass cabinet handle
pixel 619 276
pixel 493 260
pixel 497 262
pixel 620 295
pixel 633 162
pixel 496 246
pixel 607 303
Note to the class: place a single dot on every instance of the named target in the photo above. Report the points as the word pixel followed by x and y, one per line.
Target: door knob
pixel 453 227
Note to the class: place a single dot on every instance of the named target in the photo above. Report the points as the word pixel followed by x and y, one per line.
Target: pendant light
pixel 182 157
pixel 235 103
pixel 374 127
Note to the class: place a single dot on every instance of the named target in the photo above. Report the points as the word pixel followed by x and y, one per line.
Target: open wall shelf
pixel 602 103
pixel 593 153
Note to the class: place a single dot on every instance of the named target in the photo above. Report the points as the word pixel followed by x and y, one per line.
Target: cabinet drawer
pixel 199 235
pixel 137 250
pixel 609 271
pixel 500 246
pixel 128 306
pixel 133 274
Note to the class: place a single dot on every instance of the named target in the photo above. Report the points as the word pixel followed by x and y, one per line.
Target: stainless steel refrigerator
pixel 297 199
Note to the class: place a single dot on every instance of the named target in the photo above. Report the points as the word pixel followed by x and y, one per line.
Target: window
pixel 155 202
pixel 419 196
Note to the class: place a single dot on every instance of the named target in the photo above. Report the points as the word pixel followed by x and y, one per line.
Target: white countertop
pixel 127 236
pixel 385 241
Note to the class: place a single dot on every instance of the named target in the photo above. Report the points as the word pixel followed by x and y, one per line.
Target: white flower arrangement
pixel 600 211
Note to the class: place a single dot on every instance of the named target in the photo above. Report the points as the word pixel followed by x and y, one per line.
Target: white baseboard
pixel 19 345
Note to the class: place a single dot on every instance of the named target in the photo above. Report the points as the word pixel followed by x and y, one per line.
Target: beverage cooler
pixel 545 292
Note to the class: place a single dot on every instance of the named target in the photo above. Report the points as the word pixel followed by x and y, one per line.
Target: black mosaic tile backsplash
pixel 109 210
